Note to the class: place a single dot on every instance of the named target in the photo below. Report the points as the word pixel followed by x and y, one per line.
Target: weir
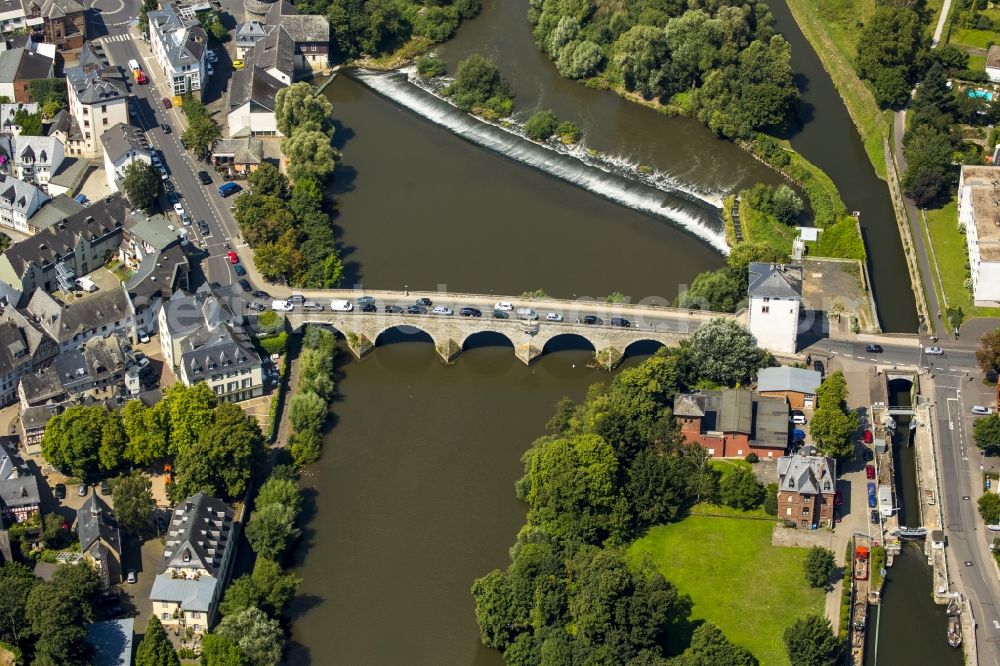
pixel 696 213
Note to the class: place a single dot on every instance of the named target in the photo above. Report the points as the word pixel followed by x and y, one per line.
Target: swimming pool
pixel 981 94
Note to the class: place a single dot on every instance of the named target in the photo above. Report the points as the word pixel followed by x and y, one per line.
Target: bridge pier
pixel 609 357
pixel 358 343
pixel 527 352
pixel 448 350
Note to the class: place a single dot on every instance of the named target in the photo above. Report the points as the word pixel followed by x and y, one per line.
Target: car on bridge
pixel 592 320
pixel 365 300
pixel 340 305
pixel 874 349
pixel 620 322
pixel 282 306
pixel 394 309
pixel 442 310
pixel 980 410
pixel 416 309
pixel 933 351
pixel 368 307
pixel 425 302
pixel 501 314
pixel 470 312
pixel 504 306
pixel 553 316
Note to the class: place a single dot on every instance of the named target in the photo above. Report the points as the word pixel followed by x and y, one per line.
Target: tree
pixel 309 153
pixel 430 66
pixel 222 460
pixel 989 508
pixel 72 439
pixel 30 123
pixel 771 499
pixel 272 530
pixel 190 412
pixel 133 499
pixel 495 611
pixel 277 588
pixel 810 641
pixel 58 609
pixel 307 412
pixel 296 105
pixel 819 565
pixel 832 391
pixel 986 432
pixel 279 491
pixel 112 450
pixel 219 650
pixel 258 637
pixel 740 489
pixel 242 593
pixel 147 431
pixel 640 57
pixel 725 352
pixel 887 52
pixel 832 430
pixel 16 583
pixel 478 85
pixel 266 180
pixel 719 291
pixel 988 354
pixel 541 125
pixel 710 647
pixel 50 93
pixel 155 648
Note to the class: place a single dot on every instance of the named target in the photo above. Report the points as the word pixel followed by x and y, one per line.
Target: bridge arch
pixel 568 342
pixel 485 339
pixel 642 347
pixel 403 332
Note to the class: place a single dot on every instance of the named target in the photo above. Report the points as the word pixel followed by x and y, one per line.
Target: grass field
pixel 976 38
pixel 951 254
pixel 737 579
pixel 977 63
pixel 766 229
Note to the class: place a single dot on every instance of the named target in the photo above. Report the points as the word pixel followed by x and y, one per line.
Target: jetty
pixel 861 575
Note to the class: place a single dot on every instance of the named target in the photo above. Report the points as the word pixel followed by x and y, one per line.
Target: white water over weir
pixel 696 213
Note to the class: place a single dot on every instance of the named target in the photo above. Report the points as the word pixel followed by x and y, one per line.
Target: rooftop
pixel 245 150
pixel 62 320
pixel 198 535
pixel 95 83
pixel 184 40
pixel 807 474
pixel 787 378
pixel 763 419
pixel 95 523
pixel 112 642
pixel 775 280
pixel 121 140
pixel 984 185
pixel 193 594
pixel 993 57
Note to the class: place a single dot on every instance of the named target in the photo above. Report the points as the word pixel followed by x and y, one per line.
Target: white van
pixel 86 284
pixel 340 305
pixel 282 306
pixel 527 314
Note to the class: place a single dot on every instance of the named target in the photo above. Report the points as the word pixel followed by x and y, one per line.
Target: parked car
pixel 232 257
pixel 875 517
pixel 470 312
pixel 592 320
pixel 179 209
pixel 798 419
pixel 166 128
pixel 205 178
pixel 933 351
pixel 867 454
pixel 872 502
pixel 81 490
pixel 870 471
pixel 874 349
pixel 255 307
pixel 426 302
pixel 980 410
pixel 871 487
pixel 394 309
pixel 237 64
pixel 504 306
pixel 130 576
pixel 166 103
pixel 59 491
pixel 105 487
pixel 818 367
pixel 143 363
pixel 442 310
pixel 867 437
pixel 238 268
pixel 553 316
pixel 838 498
pixel 416 309
pixel 622 323
pixel 245 285
pixel 368 307
pixel 142 335
pixel 261 294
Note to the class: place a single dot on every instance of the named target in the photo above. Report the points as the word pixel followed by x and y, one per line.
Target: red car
pixel 868 437
pixel 166 103
pixel 870 471
pixel 838 498
pixel 232 257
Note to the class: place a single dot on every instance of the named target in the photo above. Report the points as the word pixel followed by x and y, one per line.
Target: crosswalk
pixel 115 38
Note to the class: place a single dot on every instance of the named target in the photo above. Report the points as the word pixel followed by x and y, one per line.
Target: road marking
pixel 124 37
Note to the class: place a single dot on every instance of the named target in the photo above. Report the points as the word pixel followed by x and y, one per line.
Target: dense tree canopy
pixel 257 636
pixel 833 425
pixel 155 648
pixel 819 566
pixel 726 353
pixel 986 432
pixel 16 583
pixel 888 48
pixel 811 642
pixel 988 354
pixel 726 54
pixel 58 610
pixel 479 87
pixel 142 184
pixel 133 498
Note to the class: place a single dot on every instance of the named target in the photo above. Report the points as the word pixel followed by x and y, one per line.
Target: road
pixel 942 20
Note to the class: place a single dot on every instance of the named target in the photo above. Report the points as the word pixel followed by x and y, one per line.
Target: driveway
pixel 144 559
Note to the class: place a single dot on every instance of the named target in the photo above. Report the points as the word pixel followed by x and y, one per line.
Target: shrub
pixel 275 344
pixel 568 132
pixel 753 459
pixel 541 126
pixel 430 66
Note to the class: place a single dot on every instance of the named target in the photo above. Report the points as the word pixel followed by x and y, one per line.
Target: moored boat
pixel 954 623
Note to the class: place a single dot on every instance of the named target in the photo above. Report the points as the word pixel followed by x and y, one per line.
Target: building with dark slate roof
pixel 100 541
pixel 97 101
pixel 19 494
pixel 807 485
pixel 775 294
pixel 733 423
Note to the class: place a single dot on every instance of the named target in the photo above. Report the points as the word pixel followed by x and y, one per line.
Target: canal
pixel 912 629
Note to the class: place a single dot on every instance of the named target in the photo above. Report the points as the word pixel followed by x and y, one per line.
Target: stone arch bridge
pixel 667 326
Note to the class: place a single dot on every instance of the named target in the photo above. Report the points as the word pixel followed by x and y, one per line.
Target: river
pixel 414 495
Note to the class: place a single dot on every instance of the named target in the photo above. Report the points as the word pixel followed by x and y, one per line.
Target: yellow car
pixel 237 64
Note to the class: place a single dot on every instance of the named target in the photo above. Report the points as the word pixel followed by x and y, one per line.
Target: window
pixel 104 108
pixel 789 512
pixel 765 308
pixel 767 299
pixel 195 615
pixel 805 511
pixel 164 616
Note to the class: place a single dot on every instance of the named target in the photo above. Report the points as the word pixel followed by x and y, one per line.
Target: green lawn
pixel 976 63
pixel 737 579
pixel 952 254
pixel 977 38
pixel 766 229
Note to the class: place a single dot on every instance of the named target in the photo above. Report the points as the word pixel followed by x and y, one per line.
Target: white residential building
pixel 97 102
pixel 122 146
pixel 36 159
pixel 775 294
pixel 18 202
pixel 179 46
pixel 7 113
pixel 979 214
